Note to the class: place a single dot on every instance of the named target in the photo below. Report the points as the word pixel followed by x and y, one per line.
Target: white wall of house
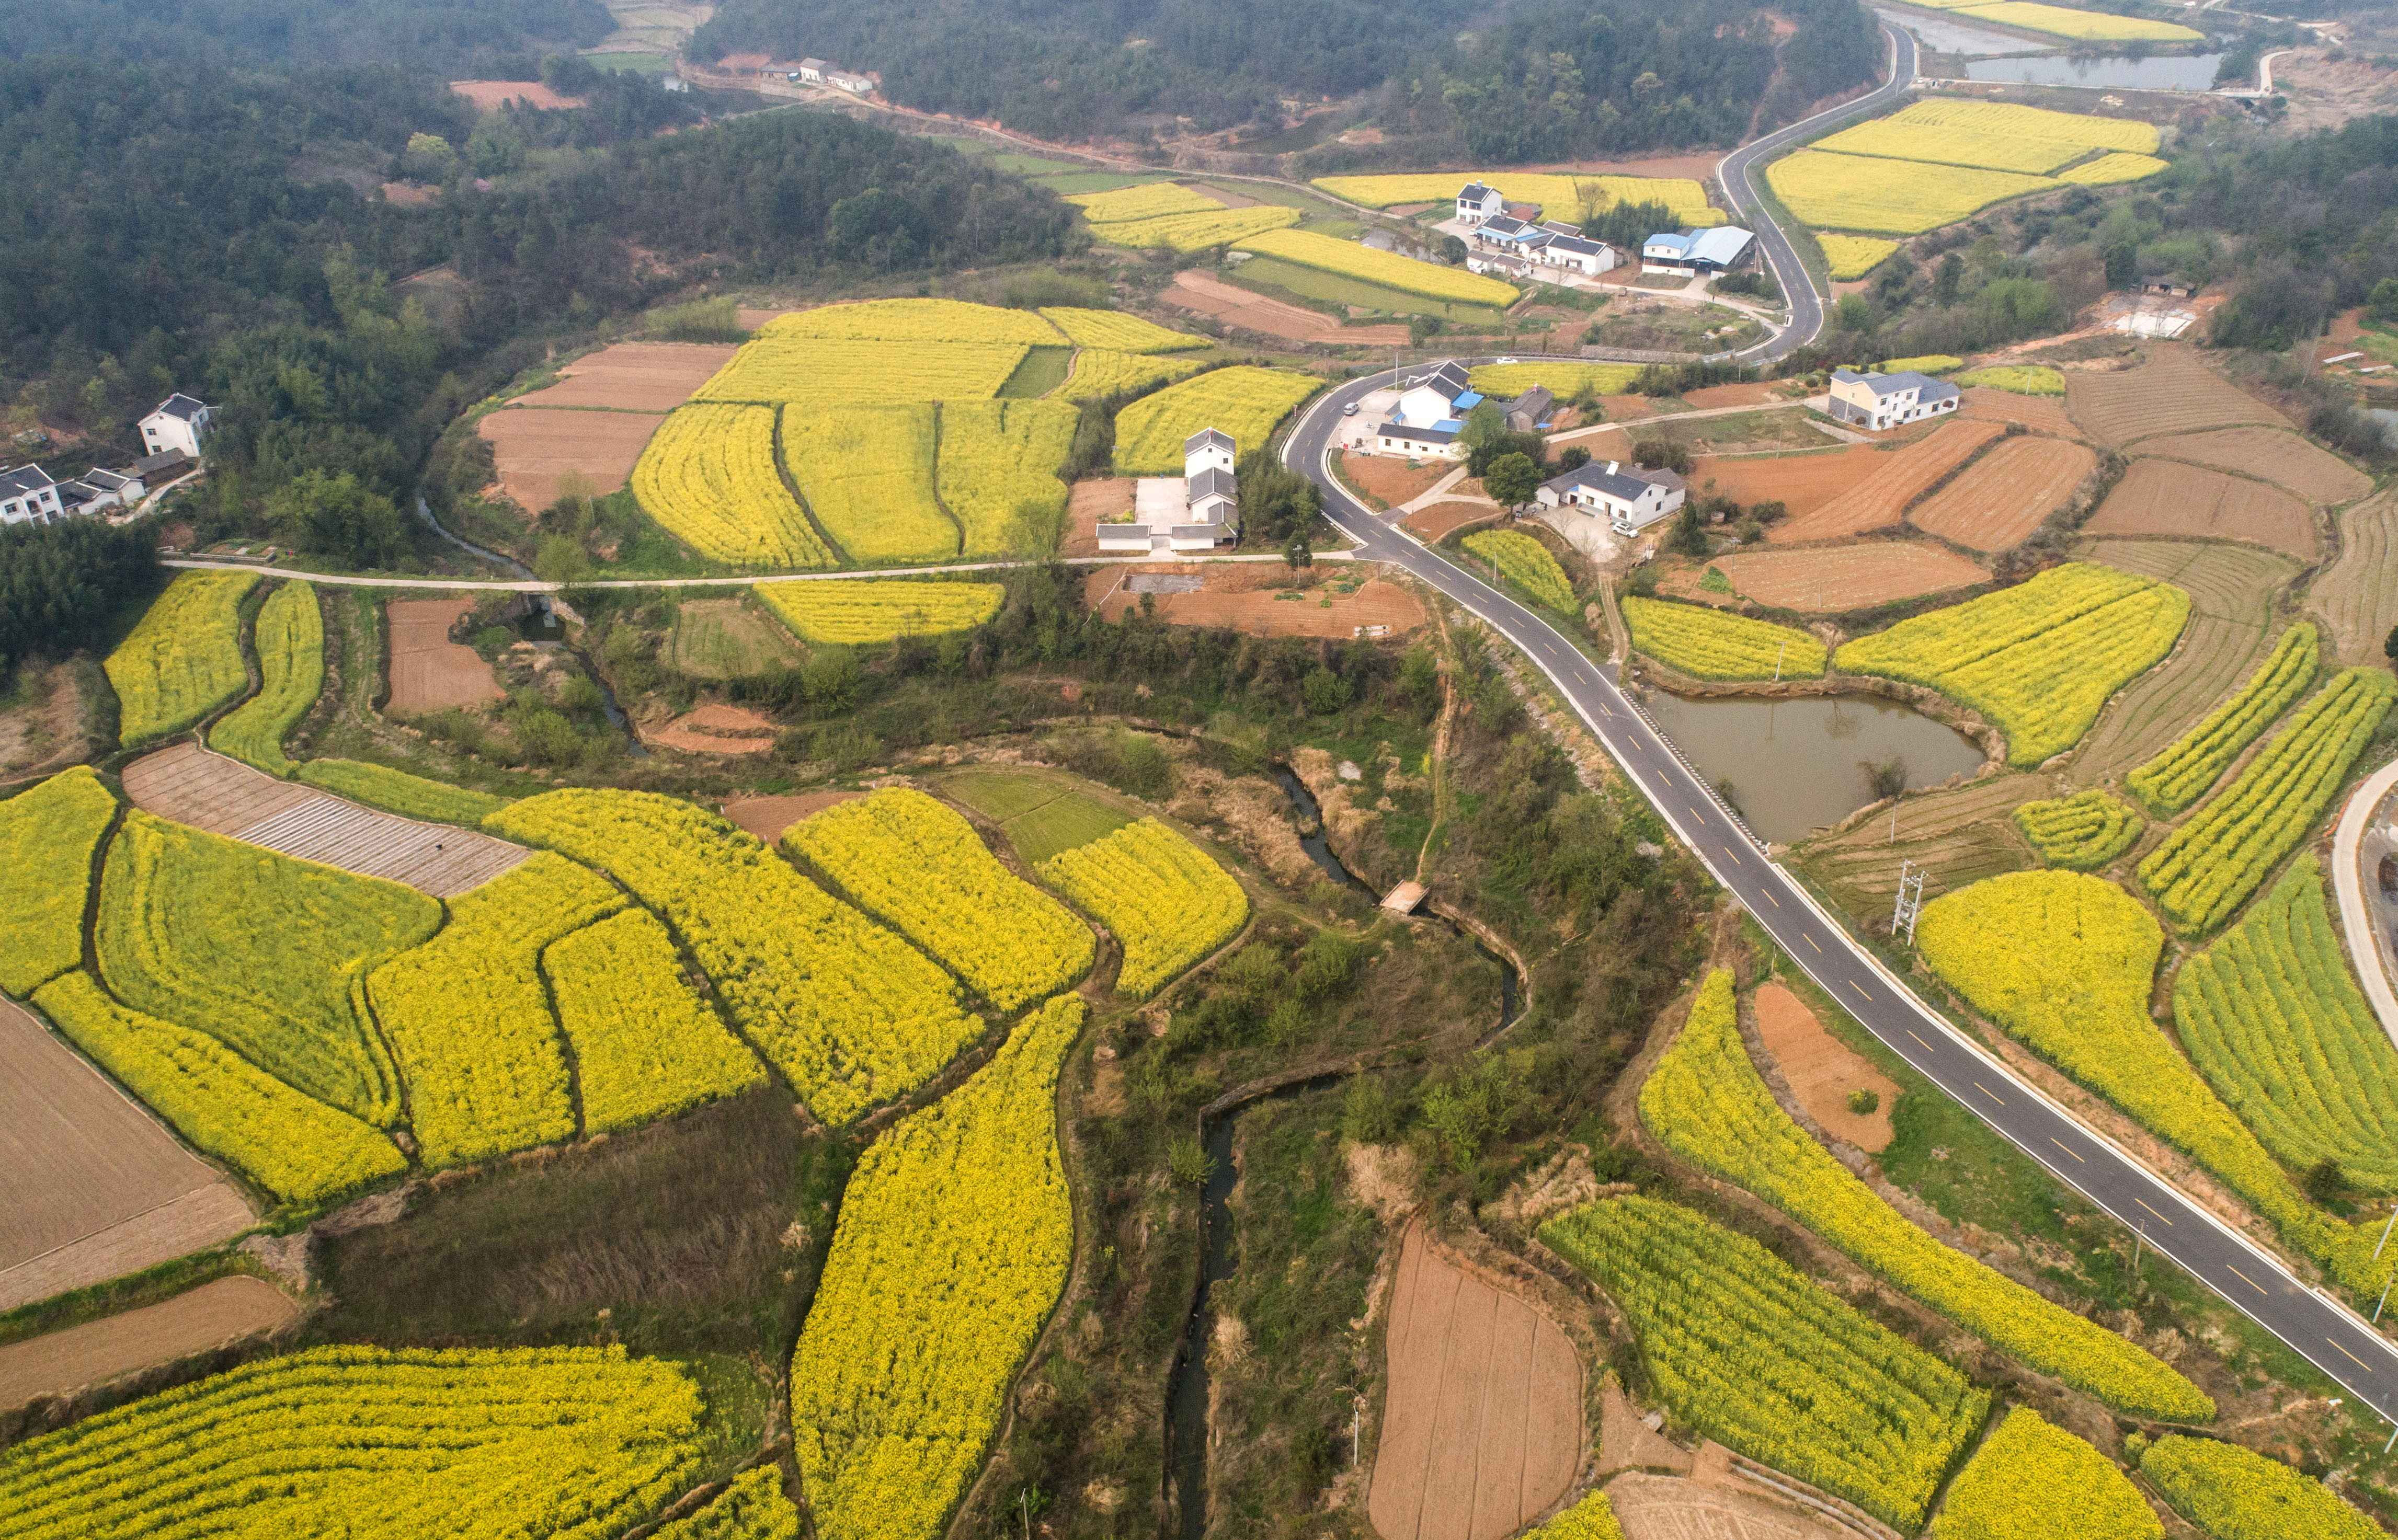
pixel 162 430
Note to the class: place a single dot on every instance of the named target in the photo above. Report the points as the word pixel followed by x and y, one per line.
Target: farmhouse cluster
pixel 1512 237
pixel 1196 511
pixel 1430 415
pixel 171 434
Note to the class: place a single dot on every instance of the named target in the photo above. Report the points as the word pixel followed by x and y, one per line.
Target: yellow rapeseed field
pixel 1895 197
pixel 2083 26
pixel 1893 139
pixel 861 611
pixel 47 836
pixel 867 472
pixel 1197 229
pixel 1118 332
pixel 1099 373
pixel 1564 381
pixel 2107 170
pixel 999 460
pixel 1387 268
pixel 645 1046
pixel 1168 903
pixel 786 365
pixel 2012 120
pixel 2022 379
pixel 2031 1479
pixel 915 321
pixel 1568 197
pixel 184 659
pixel 1243 401
pixel 709 478
pixel 1145 202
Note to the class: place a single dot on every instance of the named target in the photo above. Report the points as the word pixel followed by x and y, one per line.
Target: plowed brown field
pixel 2358 595
pixel 1438 519
pixel 2039 413
pixel 633 376
pixel 1835 578
pixel 210 1316
pixel 1482 1419
pixel 1895 479
pixel 1801 483
pixel 2172 392
pixel 1248 598
pixel 2166 496
pixel 428 670
pixel 535 450
pixel 2006 493
pixel 1822 1072
pixel 2281 458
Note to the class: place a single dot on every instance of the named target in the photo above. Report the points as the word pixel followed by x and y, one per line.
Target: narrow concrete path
pixel 2355 911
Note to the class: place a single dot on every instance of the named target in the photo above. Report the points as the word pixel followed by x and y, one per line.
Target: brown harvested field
pixel 428 670
pixel 714 729
pixel 1482 1411
pixel 2357 596
pixel 767 817
pixel 2283 459
pixel 1392 479
pixel 2230 590
pixel 1224 195
pixel 652 377
pixel 728 639
pixel 2166 496
pixel 2002 497
pixel 488 95
pixel 2039 413
pixel 1247 597
pixel 1672 1508
pixel 535 450
pixel 1628 1444
pixel 1961 835
pixel 223 1311
pixel 1801 483
pixel 1834 578
pixel 1822 1071
pixel 207 791
pixel 1237 307
pixel 1894 480
pixel 91 1186
pixel 1437 520
pixel 1754 393
pixel 2174 391
pixel 1093 501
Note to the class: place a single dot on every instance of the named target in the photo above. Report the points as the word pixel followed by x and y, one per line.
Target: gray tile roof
pixel 179 405
pixel 1616 479
pixel 1208 438
pixel 1210 482
pixel 24 479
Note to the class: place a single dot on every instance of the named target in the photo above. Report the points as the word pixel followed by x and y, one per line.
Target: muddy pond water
pixel 2155 73
pixel 1797 765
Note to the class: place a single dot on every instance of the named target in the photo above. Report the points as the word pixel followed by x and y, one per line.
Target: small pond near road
pixel 2161 72
pixel 1797 765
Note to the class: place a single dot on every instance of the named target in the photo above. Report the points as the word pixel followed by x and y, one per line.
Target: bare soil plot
pixel 429 671
pixel 2002 497
pixel 652 377
pixel 1830 579
pixel 2166 496
pixel 767 817
pixel 2283 459
pixel 535 450
pixel 1224 195
pixel 714 729
pixel 1108 497
pixel 2039 413
pixel 1961 835
pixel 1625 1443
pixel 226 1310
pixel 1897 479
pixel 1754 393
pixel 1392 479
pixel 1238 307
pixel 1672 1508
pixel 728 639
pixel 488 95
pixel 2172 393
pixel 2357 595
pixel 409 197
pixel 207 791
pixel 1482 1414
pixel 2230 590
pixel 1438 519
pixel 1822 1071
pixel 91 1186
pixel 1801 483
pixel 1248 598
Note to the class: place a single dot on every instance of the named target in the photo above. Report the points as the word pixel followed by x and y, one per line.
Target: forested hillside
pixel 450 37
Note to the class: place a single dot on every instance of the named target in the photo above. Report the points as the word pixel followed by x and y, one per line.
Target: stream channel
pixel 1186 1384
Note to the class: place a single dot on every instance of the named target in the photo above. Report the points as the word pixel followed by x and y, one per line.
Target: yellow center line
pixel 2245 1277
pixel 1988 1091
pixel 2352 1358
pixel 1910 1032
pixel 1735 860
pixel 2144 1203
pixel 2066 1147
pixel 1811 941
pixel 1771 899
pixel 1862 996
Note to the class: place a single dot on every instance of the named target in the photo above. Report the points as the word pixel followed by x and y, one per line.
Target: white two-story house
pixel 1476 203
pixel 27 493
pixel 1197 511
pixel 1629 497
pixel 1873 400
pixel 180 422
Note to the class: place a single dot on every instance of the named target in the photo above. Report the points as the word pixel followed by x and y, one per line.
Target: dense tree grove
pixel 61 584
pixel 495 39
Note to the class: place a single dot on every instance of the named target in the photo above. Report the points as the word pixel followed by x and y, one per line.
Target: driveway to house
pixel 2355 842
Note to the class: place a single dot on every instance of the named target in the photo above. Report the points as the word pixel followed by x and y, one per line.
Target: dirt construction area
pixel 1893 479
pixel 210 1316
pixel 2283 459
pixel 653 377
pixel 1822 1071
pixel 2166 496
pixel 2172 392
pixel 1482 1420
pixel 1831 579
pixel 2002 497
pixel 1254 596
pixel 534 451
pixel 428 670
pixel 91 1187
pixel 1238 307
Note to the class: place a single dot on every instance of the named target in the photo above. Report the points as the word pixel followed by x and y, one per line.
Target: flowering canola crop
pixel 1166 902
pixel 645 1047
pixel 184 659
pixel 1243 401
pixel 1709 644
pixel 921 320
pixel 290 639
pixel 856 611
pixel 1000 460
pixel 2082 832
pixel 1527 564
pixel 752 1508
pixel 709 478
pixel 1117 332
pixel 2032 1481
pixel 1099 373
pixel 2235 1494
pixel 867 472
pixel 1329 254
pixel 397 791
pixel 48 835
pixel 2183 772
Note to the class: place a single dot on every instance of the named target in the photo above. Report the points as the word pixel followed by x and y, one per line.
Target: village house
pixel 1692 252
pixel 1629 497
pixel 1876 401
pixel 1477 203
pixel 1549 244
pixel 27 493
pixel 1197 511
pixel 179 423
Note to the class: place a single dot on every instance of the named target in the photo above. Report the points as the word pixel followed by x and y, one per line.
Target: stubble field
pixel 2281 458
pixel 2357 595
pixel 1835 578
pixel 2006 493
pixel 1894 479
pixel 2172 393
pixel 2166 496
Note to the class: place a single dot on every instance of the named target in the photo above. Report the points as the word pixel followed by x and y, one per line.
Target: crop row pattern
pixel 867 472
pixel 1527 564
pixel 2082 832
pixel 1709 644
pixel 858 611
pixel 708 477
pixel 1166 902
pixel 2030 1478
pixel 752 1508
pixel 998 471
pixel 645 1047
pixel 2181 773
pixel 183 659
pixel 2235 1494
pixel 290 639
pixel 48 838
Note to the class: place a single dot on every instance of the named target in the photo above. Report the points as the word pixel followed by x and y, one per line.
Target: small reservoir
pixel 1797 765
pixel 2158 73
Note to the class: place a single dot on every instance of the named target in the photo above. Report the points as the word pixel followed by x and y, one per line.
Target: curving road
pixel 2355 909
pixel 2327 1334
pixel 1737 174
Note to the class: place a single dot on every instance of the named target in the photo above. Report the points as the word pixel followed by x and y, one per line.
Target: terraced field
pixel 1891 481
pixel 2357 596
pixel 2172 393
pixel 1963 835
pixel 2281 458
pixel 2166 496
pixel 2005 494
pixel 2230 624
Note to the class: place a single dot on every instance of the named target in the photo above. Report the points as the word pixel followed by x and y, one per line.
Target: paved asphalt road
pixel 2330 1336
pixel 1735 174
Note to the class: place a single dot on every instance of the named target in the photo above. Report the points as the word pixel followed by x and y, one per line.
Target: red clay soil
pixel 2166 496
pixel 226 1310
pixel 1482 1414
pixel 406 197
pixel 90 1186
pixel 1754 393
pixel 714 729
pixel 1244 598
pixel 1441 518
pixel 1092 501
pixel 1829 579
pixel 1801 483
pixel 1890 480
pixel 535 450
pixel 1391 478
pixel 634 376
pixel 1823 1070
pixel 767 817
pixel 487 95
pixel 1237 307
pixel 429 671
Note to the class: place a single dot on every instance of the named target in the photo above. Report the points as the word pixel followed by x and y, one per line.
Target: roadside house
pixel 1695 251
pixel 1629 497
pixel 1206 497
pixel 1476 203
pixel 1876 401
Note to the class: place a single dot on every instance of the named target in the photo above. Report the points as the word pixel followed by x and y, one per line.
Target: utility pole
pixel 2141 1240
pixel 1777 660
pixel 2385 1234
pixel 2382 1301
pixel 1910 901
